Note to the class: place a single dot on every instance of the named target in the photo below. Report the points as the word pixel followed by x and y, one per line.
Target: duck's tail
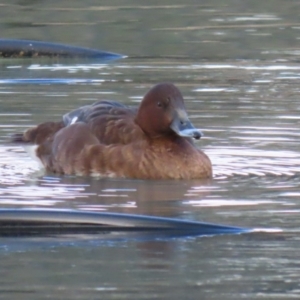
pixel 17 138
pixel 37 135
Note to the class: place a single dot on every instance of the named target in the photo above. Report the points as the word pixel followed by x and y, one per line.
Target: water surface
pixel 237 65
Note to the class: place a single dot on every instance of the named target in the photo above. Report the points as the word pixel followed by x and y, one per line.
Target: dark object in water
pixel 41 222
pixel 24 49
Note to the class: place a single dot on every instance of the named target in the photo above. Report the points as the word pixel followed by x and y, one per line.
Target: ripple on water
pixel 246 161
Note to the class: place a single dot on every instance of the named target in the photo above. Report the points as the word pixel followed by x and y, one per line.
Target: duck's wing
pixel 111 122
pixel 88 112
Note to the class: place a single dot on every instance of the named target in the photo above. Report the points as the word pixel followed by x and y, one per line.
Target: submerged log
pixel 28 222
pixel 30 49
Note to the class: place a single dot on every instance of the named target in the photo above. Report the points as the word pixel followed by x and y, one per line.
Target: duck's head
pixel 162 112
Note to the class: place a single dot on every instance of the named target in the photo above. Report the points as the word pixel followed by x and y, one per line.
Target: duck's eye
pixel 159 104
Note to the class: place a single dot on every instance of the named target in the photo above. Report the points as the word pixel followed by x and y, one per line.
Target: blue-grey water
pixel 237 65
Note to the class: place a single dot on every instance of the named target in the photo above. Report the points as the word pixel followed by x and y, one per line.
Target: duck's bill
pixel 185 128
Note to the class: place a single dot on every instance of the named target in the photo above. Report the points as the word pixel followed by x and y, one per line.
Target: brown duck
pixel 109 139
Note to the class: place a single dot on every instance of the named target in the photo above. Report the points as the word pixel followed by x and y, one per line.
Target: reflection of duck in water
pixel 113 140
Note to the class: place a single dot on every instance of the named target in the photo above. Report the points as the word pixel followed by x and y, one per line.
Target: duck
pixel 108 139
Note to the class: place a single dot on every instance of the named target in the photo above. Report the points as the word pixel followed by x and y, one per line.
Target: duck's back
pixel 111 122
